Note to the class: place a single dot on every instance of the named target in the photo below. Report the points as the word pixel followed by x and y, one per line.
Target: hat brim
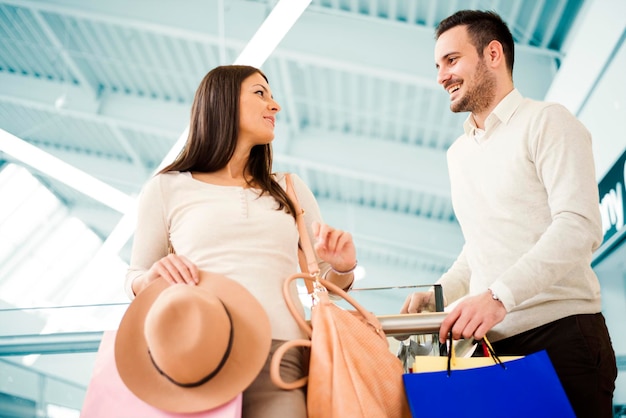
pixel 251 346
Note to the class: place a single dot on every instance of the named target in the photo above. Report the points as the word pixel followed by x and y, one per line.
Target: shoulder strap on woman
pixel 306 254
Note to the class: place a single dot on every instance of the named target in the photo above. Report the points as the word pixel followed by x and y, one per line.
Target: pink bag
pixel 108 397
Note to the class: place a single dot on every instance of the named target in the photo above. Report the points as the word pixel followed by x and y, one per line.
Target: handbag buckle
pixel 318 289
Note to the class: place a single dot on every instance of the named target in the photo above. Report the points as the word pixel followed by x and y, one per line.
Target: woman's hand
pixel 173 268
pixel 334 246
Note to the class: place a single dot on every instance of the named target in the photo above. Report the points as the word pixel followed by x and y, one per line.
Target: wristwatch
pixel 494 296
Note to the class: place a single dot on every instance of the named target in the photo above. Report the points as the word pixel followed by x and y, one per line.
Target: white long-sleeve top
pixel 526 198
pixel 227 230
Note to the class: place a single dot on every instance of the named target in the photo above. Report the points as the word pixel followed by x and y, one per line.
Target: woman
pixel 222 210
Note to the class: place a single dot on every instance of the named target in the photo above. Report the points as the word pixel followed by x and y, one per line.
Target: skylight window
pixel 45 254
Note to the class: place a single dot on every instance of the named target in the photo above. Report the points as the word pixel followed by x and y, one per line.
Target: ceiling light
pixel 271 32
pixel 64 172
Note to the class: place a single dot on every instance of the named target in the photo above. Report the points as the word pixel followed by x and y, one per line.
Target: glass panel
pixel 25 391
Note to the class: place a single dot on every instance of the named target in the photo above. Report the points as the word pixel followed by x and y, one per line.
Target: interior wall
pixel 603 112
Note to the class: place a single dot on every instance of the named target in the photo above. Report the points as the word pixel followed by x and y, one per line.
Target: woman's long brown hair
pixel 214 129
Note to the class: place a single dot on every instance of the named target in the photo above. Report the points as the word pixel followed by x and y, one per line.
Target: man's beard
pixel 480 96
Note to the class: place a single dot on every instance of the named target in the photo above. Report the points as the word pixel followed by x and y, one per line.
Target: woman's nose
pixel 274 105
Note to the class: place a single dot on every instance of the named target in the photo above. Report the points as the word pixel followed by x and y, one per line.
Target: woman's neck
pixel 233 174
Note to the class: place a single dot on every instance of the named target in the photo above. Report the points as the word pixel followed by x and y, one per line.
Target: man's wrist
pixel 494 296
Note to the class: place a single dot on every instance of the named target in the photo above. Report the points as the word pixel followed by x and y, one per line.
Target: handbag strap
pixel 276 361
pixel 310 270
pixel 306 255
pixel 323 285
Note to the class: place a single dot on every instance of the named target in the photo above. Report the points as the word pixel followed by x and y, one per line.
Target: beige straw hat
pixel 184 348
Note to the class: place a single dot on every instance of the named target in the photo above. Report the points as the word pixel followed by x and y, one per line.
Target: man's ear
pixel 494 54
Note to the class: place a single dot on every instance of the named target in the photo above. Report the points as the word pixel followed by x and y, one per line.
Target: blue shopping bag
pixel 525 387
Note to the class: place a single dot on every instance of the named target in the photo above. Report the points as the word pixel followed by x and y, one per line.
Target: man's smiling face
pixel 463 73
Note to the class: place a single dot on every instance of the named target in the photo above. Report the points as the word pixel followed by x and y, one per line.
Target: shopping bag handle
pixel 485 341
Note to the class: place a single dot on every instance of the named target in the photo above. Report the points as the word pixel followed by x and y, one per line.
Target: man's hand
pixel 472 317
pixel 418 302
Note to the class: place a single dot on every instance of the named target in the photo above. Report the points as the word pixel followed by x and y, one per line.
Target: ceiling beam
pixel 71 70
pixel 415 168
pixel 200 23
pixel 318 37
pixel 396 231
pixel 153 116
pixel 321 39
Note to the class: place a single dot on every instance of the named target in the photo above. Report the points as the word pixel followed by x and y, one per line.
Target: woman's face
pixel 257 111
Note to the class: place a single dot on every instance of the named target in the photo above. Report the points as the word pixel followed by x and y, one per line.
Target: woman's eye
pixel 259 92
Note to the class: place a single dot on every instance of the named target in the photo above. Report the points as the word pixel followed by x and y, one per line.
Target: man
pixel 523 188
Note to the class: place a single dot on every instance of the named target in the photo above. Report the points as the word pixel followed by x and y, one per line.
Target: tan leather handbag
pixel 352 372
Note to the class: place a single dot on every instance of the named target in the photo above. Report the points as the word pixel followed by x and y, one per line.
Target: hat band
pixel 214 372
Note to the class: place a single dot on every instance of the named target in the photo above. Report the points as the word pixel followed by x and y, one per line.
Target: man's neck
pixel 480 116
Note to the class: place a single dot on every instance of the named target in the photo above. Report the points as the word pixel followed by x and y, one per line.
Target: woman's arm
pixel 151 258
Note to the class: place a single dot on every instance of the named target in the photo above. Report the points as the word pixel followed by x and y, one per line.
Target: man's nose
pixel 442 76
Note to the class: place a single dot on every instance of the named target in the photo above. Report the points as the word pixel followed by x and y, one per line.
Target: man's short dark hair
pixel 482 27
